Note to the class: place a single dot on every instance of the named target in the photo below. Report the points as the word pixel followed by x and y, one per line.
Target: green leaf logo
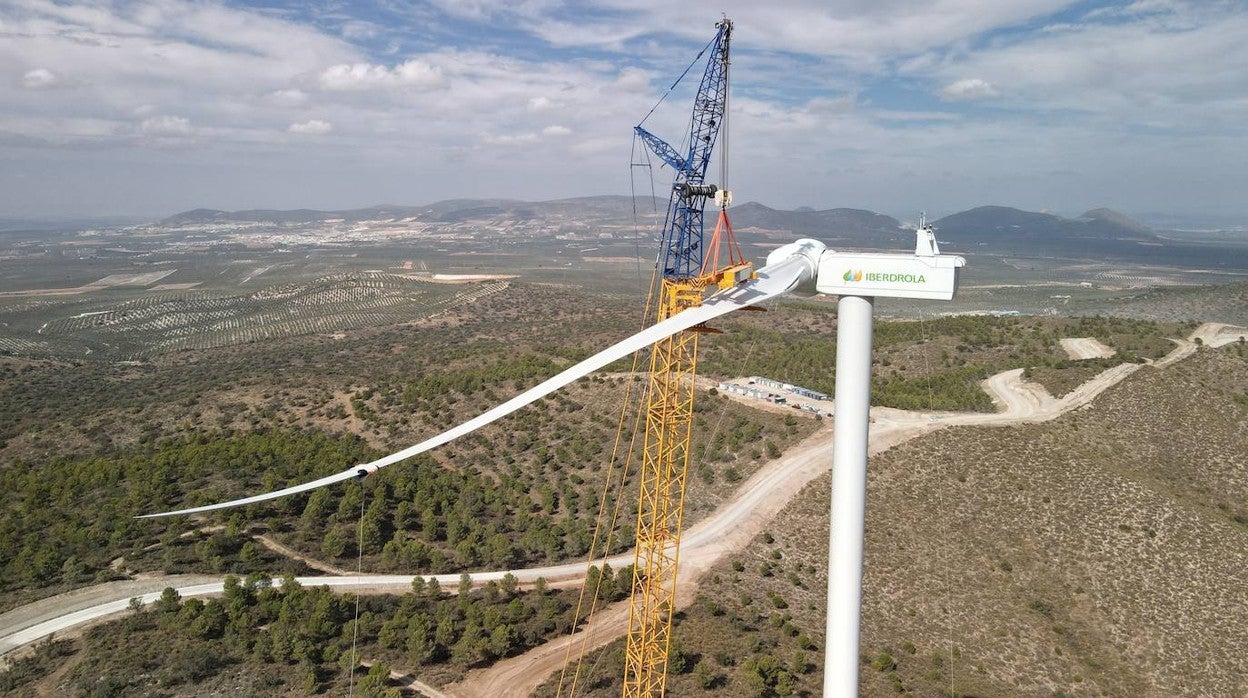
pixel 849 275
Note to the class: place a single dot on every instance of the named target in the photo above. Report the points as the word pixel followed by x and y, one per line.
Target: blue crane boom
pixel 683 228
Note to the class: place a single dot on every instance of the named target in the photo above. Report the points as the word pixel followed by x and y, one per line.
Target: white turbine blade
pixel 773 280
pixel 355 472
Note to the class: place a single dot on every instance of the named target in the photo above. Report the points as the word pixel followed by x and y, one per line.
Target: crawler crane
pixel 688 269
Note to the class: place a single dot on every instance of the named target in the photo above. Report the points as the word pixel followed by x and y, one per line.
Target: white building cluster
pixel 760 388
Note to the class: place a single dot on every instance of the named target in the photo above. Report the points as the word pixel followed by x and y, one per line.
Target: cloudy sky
pixel 152 107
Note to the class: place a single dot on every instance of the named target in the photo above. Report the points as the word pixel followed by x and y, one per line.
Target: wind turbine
pixel 804 265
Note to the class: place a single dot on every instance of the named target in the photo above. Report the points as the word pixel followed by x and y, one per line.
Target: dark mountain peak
pixel 845 226
pixel 996 228
pixel 1001 216
pixel 750 208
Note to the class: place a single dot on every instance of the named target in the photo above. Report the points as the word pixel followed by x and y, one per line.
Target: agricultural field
pixel 162 322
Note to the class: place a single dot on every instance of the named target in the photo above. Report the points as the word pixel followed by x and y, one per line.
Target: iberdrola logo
pixel 884 277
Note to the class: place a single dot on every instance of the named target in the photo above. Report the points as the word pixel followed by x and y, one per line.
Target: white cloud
pixel 40 78
pixel 512 139
pixel 633 80
pixel 166 125
pixel 313 127
pixel 229 86
pixel 968 89
pixel 365 76
pixel 908 116
pixel 1140 7
pixel 289 97
pixel 357 30
pixel 213 64
pixel 1184 74
pixel 860 30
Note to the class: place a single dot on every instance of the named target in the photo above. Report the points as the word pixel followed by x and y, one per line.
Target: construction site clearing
pixel 780 393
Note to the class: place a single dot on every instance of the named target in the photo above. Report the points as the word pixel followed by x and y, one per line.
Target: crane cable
pixel 359 571
pixel 654 204
pixel 723 140
pixel 637 432
pixel 597 532
pixel 610 533
pixel 946 568
pixel 652 289
pixel 723 413
pixel 707 448
pixel 677 82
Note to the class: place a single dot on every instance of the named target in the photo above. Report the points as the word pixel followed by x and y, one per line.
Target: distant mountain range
pixel 449 211
pixel 1097 234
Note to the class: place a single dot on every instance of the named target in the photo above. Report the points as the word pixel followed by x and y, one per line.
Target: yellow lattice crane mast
pixel 688 269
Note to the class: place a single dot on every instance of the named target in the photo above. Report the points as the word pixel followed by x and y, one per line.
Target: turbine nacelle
pixel 933 277
pixel 921 276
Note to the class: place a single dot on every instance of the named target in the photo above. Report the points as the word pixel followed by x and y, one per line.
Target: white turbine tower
pixel 858 278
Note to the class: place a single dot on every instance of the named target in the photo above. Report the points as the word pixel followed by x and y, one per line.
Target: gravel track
pixel 1079 348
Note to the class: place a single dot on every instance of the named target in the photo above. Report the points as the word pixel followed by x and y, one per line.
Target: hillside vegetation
pixel 1099 554
pixel 92 446
pixel 86 445
pixel 935 364
pixel 1224 303
pixel 260 638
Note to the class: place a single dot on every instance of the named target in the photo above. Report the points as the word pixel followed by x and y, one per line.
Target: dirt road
pixel 296 555
pixel 519 676
pixel 763 496
pixel 1210 334
pixel 1085 348
pixel 80 606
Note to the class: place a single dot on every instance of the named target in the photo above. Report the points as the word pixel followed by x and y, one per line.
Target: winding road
pixel 728 529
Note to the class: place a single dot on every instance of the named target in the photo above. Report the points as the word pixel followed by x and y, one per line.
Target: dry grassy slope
pixel 1085 556
pixel 1104 517
pixel 1221 303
